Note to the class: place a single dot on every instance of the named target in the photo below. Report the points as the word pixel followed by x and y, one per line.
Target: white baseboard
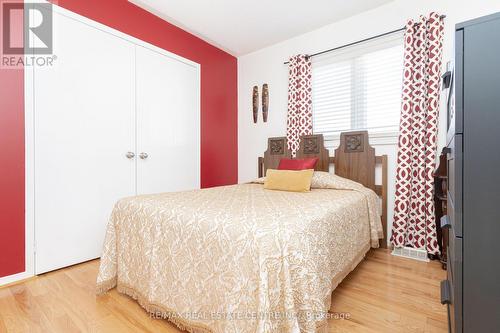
pixel 14 278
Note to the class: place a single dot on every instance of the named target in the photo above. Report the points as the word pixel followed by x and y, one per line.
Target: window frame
pixel 359 114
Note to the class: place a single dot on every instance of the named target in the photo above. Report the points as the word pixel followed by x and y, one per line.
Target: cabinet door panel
pixel 84 124
pixel 481 177
pixel 168 123
pixel 455 180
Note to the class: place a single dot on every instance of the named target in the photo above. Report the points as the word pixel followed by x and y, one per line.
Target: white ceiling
pixel 241 27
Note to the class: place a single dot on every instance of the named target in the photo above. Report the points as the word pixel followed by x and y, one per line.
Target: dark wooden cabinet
pixel 472 289
pixel 441 206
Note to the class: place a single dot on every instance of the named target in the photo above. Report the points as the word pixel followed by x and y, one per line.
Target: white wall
pixel 266 66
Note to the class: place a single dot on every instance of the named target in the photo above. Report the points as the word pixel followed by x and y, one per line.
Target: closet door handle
pixel 143 156
pixel 130 155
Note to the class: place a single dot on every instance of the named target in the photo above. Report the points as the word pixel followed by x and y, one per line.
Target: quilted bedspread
pixel 240 258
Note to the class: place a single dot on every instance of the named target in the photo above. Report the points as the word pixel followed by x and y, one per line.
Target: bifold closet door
pixel 168 123
pixel 84 126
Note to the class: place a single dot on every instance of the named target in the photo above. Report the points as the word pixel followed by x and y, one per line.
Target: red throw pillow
pixel 297 164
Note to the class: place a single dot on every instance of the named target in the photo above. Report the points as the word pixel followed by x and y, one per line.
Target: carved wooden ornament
pixel 255 103
pixel 354 143
pixel 265 101
pixel 276 150
pixel 277 146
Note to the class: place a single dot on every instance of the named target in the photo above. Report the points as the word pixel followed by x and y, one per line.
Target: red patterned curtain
pixel 414 221
pixel 299 116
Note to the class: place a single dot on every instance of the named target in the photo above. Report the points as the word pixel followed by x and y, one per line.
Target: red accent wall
pixel 12 163
pixel 219 155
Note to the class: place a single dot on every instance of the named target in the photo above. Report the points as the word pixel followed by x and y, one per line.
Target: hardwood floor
pixel 384 294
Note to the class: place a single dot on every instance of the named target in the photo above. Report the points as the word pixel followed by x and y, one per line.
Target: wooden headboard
pixel 276 150
pixel 354 159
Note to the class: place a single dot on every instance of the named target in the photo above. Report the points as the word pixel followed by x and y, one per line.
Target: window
pixel 359 88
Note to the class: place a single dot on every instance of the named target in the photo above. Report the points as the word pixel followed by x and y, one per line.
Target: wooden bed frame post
pixel 354 159
pixel 261 167
pixel 383 195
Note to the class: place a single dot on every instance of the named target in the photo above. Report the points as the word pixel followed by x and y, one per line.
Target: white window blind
pixel 359 88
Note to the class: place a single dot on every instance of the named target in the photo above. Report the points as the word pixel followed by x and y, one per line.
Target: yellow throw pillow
pixel 288 180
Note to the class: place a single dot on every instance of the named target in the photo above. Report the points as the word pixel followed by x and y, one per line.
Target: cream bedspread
pixel 240 258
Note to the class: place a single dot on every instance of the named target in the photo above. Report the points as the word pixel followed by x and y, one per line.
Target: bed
pixel 244 259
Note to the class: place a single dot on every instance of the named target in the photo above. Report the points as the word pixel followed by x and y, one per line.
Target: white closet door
pixel 84 126
pixel 168 123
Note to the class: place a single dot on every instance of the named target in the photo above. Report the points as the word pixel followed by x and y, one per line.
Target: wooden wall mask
pixel 255 103
pixel 265 101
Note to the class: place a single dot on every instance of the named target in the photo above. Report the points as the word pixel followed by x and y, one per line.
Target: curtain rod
pixel 360 41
